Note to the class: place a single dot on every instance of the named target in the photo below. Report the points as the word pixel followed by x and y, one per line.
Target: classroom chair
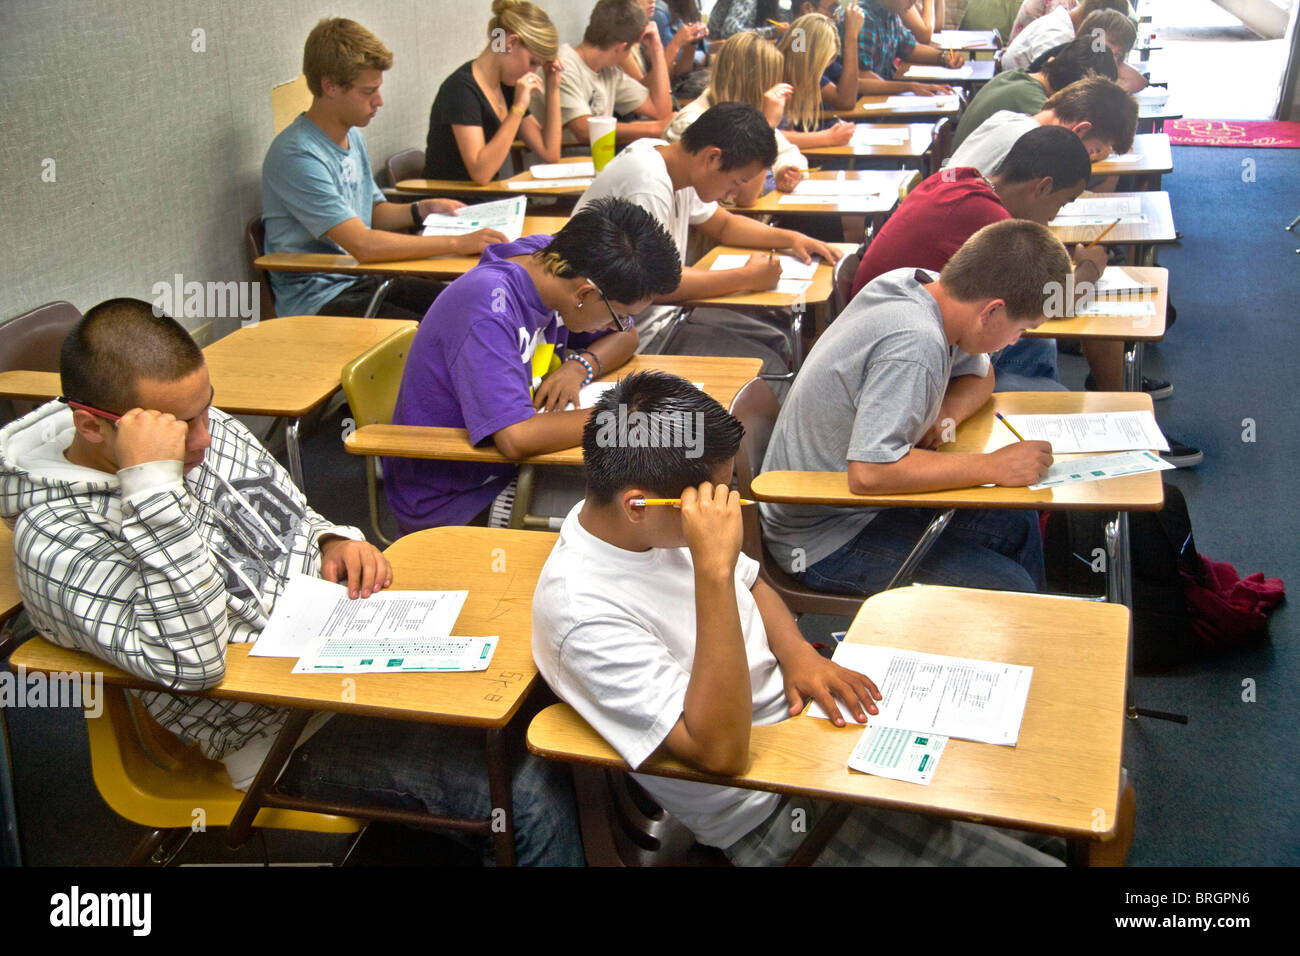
pixel 370 383
pixel 941 146
pixel 997 60
pixel 255 245
pixel 287 101
pixel 407 164
pixel 147 776
pixel 842 278
pixel 31 342
pixel 756 408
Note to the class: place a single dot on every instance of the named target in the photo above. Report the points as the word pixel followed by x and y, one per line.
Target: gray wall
pixel 157 149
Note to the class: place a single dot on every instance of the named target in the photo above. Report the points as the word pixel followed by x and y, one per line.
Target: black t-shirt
pixel 460 101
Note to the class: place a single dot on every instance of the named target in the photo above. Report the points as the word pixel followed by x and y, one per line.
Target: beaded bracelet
pixel 591 372
pixel 600 366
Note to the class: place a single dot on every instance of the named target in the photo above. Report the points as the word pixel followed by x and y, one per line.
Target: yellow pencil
pixel 645 502
pixel 1104 233
pixel 1003 419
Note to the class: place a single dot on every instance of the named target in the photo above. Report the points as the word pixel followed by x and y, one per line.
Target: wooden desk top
pixel 970 40
pixel 721 377
pixel 1064 768
pixel 1154 156
pixel 285 366
pixel 919 138
pixel 1158 229
pixel 1128 328
pixel 10 599
pixel 982 433
pixel 500 602
pixel 892 183
pixel 981 71
pixel 870 109
pixel 497 187
pixel 438 267
pixel 820 291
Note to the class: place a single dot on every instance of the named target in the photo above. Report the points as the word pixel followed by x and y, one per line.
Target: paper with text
pixel 504 215
pixel 563 170
pixel 898 754
pixel 396 655
pixel 1086 432
pixel 1097 467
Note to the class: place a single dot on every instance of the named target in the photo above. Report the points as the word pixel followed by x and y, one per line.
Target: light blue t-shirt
pixel 309 186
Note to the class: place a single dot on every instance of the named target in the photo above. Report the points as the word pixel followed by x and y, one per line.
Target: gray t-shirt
pixel 868 391
pixel 988 145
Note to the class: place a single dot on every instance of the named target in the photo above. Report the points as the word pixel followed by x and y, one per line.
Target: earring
pixel 579 303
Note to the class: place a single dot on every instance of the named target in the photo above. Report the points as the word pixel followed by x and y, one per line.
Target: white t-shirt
pixel 638 174
pixel 1041 35
pixel 987 147
pixel 584 92
pixel 787 154
pixel 614 637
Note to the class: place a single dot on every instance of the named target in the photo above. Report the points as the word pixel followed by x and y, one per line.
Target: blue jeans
pixel 416 766
pixel 995 550
pixel 1028 359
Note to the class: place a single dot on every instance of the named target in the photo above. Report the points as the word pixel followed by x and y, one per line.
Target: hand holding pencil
pixel 1021 464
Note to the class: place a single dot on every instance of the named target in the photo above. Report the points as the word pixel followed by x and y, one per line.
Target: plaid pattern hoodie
pixel 156 571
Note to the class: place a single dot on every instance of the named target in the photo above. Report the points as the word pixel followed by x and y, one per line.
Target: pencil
pixel 1104 233
pixel 1003 419
pixel 644 502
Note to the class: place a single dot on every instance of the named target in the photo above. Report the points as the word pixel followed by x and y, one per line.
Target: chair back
pixel 288 100
pixel 757 409
pixel 941 145
pixel 842 283
pixel 31 342
pixel 372 379
pixel 997 60
pixel 255 246
pixel 408 164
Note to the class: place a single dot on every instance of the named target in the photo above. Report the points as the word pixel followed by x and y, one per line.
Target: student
pixel 1031 10
pixel 884 40
pixel 1046 168
pixel 592 84
pixel 989 15
pixel 1053 29
pixel 520 334
pixel 749 69
pixel 482 108
pixel 730 17
pixel 659 632
pixel 679 47
pixel 809 48
pixel 319 195
pixel 1116 32
pixel 690 68
pixel 1100 113
pixel 901 367
pixel 924 18
pixel 1022 91
pixel 155 539
pixel 680 184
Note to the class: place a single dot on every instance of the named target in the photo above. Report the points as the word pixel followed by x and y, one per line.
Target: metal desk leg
pixel 499 789
pixel 927 541
pixel 523 496
pixel 294 452
pixel 1132 366
pixel 10 851
pixel 241 824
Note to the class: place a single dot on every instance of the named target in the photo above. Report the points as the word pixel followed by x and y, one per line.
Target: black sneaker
pixel 1152 386
pixel 1182 456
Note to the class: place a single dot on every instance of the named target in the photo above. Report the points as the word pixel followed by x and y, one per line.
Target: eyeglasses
pixel 618 320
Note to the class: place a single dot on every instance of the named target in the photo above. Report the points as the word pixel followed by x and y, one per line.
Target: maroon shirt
pixel 932 223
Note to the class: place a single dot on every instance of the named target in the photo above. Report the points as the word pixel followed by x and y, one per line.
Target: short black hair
pixel 116 344
pixel 1053 151
pixel 619 246
pixel 1075 60
pixel 739 130
pixel 658 432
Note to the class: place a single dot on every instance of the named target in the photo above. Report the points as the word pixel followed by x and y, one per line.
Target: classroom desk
pixel 892 184
pixel 441 558
pixel 497 188
pixel 721 378
pixel 1135 330
pixel 1154 158
pixel 869 109
pixel 920 137
pixel 1143 236
pixel 1064 776
pixel 981 71
pixel 437 267
pixel 1151 117
pixel 283 367
pixel 971 41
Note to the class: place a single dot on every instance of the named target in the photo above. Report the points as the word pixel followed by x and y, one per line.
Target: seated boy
pixel 884 40
pixel 593 83
pixel 135 543
pixel 1111 31
pixel 891 379
pixel 520 334
pixel 680 184
pixel 654 626
pixel 1059 26
pixel 319 195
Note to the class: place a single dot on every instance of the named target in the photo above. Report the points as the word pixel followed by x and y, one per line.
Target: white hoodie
pixel 156 571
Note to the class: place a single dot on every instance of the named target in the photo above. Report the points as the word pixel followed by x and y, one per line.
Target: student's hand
pixel 144 435
pixel 650 36
pixel 853 20
pixel 560 387
pixel 838 134
pixel 928 89
pixel 689 33
pixel 525 87
pixel 443 207
pixel 812 675
pixel 937 434
pixel 473 243
pixel 358 564
pixel 552 70
pixel 763 271
pixel 1095 257
pixel 788 177
pixel 713 529
pixel 1021 464
pixel 953 59
pixel 775 101
pixel 805 247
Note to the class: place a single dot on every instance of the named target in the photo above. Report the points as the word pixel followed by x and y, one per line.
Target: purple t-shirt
pixel 473 363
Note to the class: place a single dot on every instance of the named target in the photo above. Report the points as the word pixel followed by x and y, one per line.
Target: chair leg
pixel 377 299
pixel 159 847
pixel 372 491
pixel 927 541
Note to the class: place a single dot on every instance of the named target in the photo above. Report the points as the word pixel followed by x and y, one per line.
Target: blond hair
pixel 809 46
pixel 341 50
pixel 744 68
pixel 527 21
pixel 1016 260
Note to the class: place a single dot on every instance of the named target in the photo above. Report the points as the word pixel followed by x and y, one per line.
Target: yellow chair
pixel 147 776
pixel 370 383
